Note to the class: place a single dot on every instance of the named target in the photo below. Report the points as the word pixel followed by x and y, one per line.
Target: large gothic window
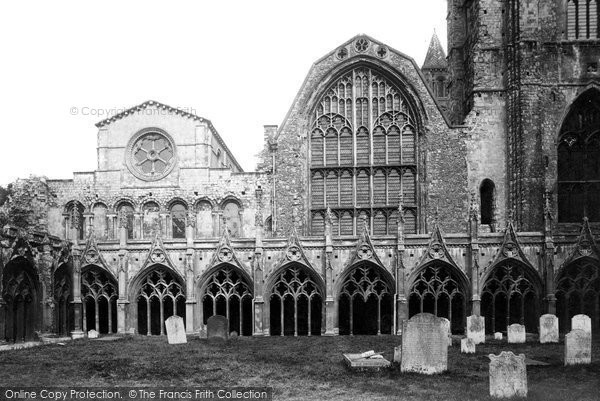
pixel 582 19
pixel 228 294
pixel 363 154
pixel 160 297
pixel 578 292
pixel 579 161
pixel 99 294
pixel 295 304
pixel 510 296
pixel 438 290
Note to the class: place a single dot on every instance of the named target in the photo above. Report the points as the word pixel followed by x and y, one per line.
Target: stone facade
pixel 449 201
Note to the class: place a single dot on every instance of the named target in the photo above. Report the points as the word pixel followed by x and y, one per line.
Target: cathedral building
pixel 468 185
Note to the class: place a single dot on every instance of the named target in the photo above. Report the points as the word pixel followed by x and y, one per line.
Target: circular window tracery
pixel 151 154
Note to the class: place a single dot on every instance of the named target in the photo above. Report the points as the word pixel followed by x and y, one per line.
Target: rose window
pixel 151 155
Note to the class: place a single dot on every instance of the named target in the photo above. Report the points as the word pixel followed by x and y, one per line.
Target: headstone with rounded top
pixel 476 328
pixel 175 330
pixel 548 329
pixel 508 375
pixel 92 334
pixel 424 345
pixel 581 322
pixel 516 333
pixel 217 326
pixel 497 336
pixel 467 346
pixel 578 348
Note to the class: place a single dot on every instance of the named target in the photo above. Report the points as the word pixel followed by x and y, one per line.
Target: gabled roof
pixel 183 113
pixel 435 58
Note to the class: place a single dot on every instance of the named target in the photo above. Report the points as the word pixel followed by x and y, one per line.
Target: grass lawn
pixel 303 368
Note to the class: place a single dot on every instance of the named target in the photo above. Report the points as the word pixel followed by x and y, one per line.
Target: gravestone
pixel 548 329
pixel 581 322
pixel 497 336
pixel 578 348
pixel 476 328
pixel 508 375
pixel 92 334
pixel 446 325
pixel 516 333
pixel 217 326
pixel 175 330
pixel 424 345
pixel 397 355
pixel 467 346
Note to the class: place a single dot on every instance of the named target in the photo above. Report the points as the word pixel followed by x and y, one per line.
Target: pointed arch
pixel 99 293
pixel 228 291
pixel 63 296
pixel 578 159
pixel 511 293
pixel 578 292
pixel 383 102
pixel 22 294
pixel 364 293
pixel 296 295
pixel 158 292
pixel 441 289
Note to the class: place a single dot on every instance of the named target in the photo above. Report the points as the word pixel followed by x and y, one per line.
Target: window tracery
pixel 579 162
pixel 362 151
pixel 99 294
pixel 295 304
pixel 578 292
pixel 365 302
pixel 160 296
pixel 227 294
pixel 437 290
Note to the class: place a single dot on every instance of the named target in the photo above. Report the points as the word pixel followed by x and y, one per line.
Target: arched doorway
pixel 159 297
pixel 99 293
pixel 365 303
pixel 63 297
pixel 440 290
pixel 227 292
pixel 21 294
pixel 295 302
pixel 511 295
pixel 578 291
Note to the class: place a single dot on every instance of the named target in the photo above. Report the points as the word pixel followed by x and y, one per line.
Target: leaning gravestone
pixel 582 322
pixel 217 326
pixel 446 324
pixel 467 346
pixel 516 333
pixel 508 375
pixel 92 334
pixel 497 336
pixel 578 348
pixel 476 328
pixel 424 345
pixel 175 330
pixel 548 329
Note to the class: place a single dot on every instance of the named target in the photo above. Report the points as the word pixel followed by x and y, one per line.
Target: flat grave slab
pixel 357 363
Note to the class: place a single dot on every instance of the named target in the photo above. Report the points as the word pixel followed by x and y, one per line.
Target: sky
pixel 68 64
